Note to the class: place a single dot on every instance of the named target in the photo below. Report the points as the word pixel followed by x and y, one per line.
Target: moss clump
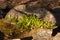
pixel 27 23
pixel 8 29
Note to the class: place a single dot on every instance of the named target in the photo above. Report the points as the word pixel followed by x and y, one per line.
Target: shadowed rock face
pixel 2 35
pixel 56 13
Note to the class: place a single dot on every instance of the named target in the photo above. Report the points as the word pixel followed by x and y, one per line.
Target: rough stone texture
pixel 50 18
pixel 39 34
pixel 44 34
pixel 57 37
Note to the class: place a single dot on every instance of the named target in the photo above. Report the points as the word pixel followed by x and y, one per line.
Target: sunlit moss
pixel 30 22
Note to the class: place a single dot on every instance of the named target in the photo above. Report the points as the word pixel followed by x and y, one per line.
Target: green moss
pixel 30 22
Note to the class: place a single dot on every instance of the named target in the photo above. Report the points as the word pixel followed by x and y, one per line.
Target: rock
pixel 57 37
pixel 42 13
pixel 39 12
pixel 38 34
pixel 17 12
pixel 50 18
pixel 44 34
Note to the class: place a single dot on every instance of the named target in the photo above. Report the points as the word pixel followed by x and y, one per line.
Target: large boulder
pixel 37 11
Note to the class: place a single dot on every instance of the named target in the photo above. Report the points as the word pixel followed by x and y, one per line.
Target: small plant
pixel 27 23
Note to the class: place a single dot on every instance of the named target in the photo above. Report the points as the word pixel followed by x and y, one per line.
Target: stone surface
pixel 38 34
pixel 44 34
pixel 57 37
pixel 50 18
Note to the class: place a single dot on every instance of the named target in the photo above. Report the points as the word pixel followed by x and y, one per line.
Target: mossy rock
pixel 14 31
